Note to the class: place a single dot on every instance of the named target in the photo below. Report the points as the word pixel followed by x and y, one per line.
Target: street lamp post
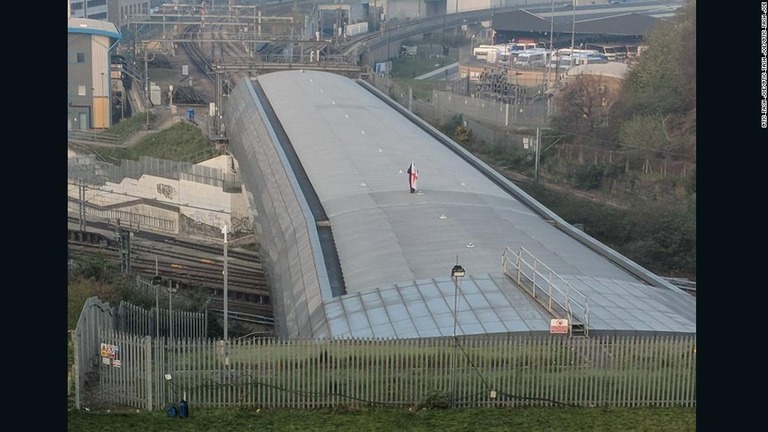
pixel 157 281
pixel 457 272
pixel 538 153
pixel 573 28
pixel 171 290
pixel 224 231
pixel 146 85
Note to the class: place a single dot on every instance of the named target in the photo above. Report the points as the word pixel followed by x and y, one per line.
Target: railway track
pixel 193 50
pixel 186 264
pixel 224 50
pixel 226 38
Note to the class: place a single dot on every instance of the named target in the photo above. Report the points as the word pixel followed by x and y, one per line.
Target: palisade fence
pixel 144 372
pixel 136 221
pixel 632 161
pixel 444 105
pixel 98 316
pixel 94 172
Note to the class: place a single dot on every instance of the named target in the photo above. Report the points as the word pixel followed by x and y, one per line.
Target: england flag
pixel 413 175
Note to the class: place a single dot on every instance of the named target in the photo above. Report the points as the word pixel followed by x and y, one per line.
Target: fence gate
pixel 125 375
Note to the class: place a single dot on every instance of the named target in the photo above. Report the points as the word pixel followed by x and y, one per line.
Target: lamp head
pixel 457 271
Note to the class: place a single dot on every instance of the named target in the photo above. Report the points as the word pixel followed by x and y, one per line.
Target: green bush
pixel 588 177
pixel 436 400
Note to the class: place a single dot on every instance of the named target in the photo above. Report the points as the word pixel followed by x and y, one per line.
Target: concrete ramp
pixel 437 72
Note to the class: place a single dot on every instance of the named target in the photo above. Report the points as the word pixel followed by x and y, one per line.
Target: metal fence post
pixel 150 370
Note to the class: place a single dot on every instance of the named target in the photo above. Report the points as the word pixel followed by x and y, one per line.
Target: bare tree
pixel 584 104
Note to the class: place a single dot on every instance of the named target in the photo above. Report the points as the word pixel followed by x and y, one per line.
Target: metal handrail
pixel 566 301
pixel 106 136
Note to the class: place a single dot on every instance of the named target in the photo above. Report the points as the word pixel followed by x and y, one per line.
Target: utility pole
pixel 81 186
pixel 375 14
pixel 217 116
pixel 551 55
pixel 539 151
pixel 536 165
pixel 156 282
pixel 171 292
pixel 170 309
pixel 146 83
pixel 146 86
pixel 573 29
pixel 123 237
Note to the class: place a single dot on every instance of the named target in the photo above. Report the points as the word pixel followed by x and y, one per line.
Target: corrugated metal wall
pixel 290 246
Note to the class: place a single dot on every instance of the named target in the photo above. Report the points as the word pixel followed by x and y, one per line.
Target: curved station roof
pixel 347 150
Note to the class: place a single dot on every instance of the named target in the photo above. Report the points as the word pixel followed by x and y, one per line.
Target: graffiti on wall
pixel 165 190
pixel 242 225
pixel 206 218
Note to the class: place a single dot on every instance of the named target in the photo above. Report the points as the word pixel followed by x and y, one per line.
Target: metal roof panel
pixel 396 249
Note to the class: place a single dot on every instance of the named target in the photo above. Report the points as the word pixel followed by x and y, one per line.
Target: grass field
pixel 178 141
pixel 386 419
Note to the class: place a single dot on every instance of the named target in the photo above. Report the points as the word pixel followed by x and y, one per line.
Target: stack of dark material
pixel 187 95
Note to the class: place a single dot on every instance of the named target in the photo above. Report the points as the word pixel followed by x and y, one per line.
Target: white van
pixel 518 47
pixel 612 52
pixel 568 51
pixel 481 52
pixel 534 58
pixel 575 59
pixel 497 56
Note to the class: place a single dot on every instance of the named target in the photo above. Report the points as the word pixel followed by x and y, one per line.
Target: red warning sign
pixel 109 351
pixel 558 326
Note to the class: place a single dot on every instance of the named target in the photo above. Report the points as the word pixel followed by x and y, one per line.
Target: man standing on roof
pixel 413 175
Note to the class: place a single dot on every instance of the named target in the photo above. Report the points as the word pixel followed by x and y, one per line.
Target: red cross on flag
pixel 413 175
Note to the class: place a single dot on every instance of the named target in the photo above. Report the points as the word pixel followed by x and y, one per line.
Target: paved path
pixel 168 120
pixel 436 73
pixel 139 135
